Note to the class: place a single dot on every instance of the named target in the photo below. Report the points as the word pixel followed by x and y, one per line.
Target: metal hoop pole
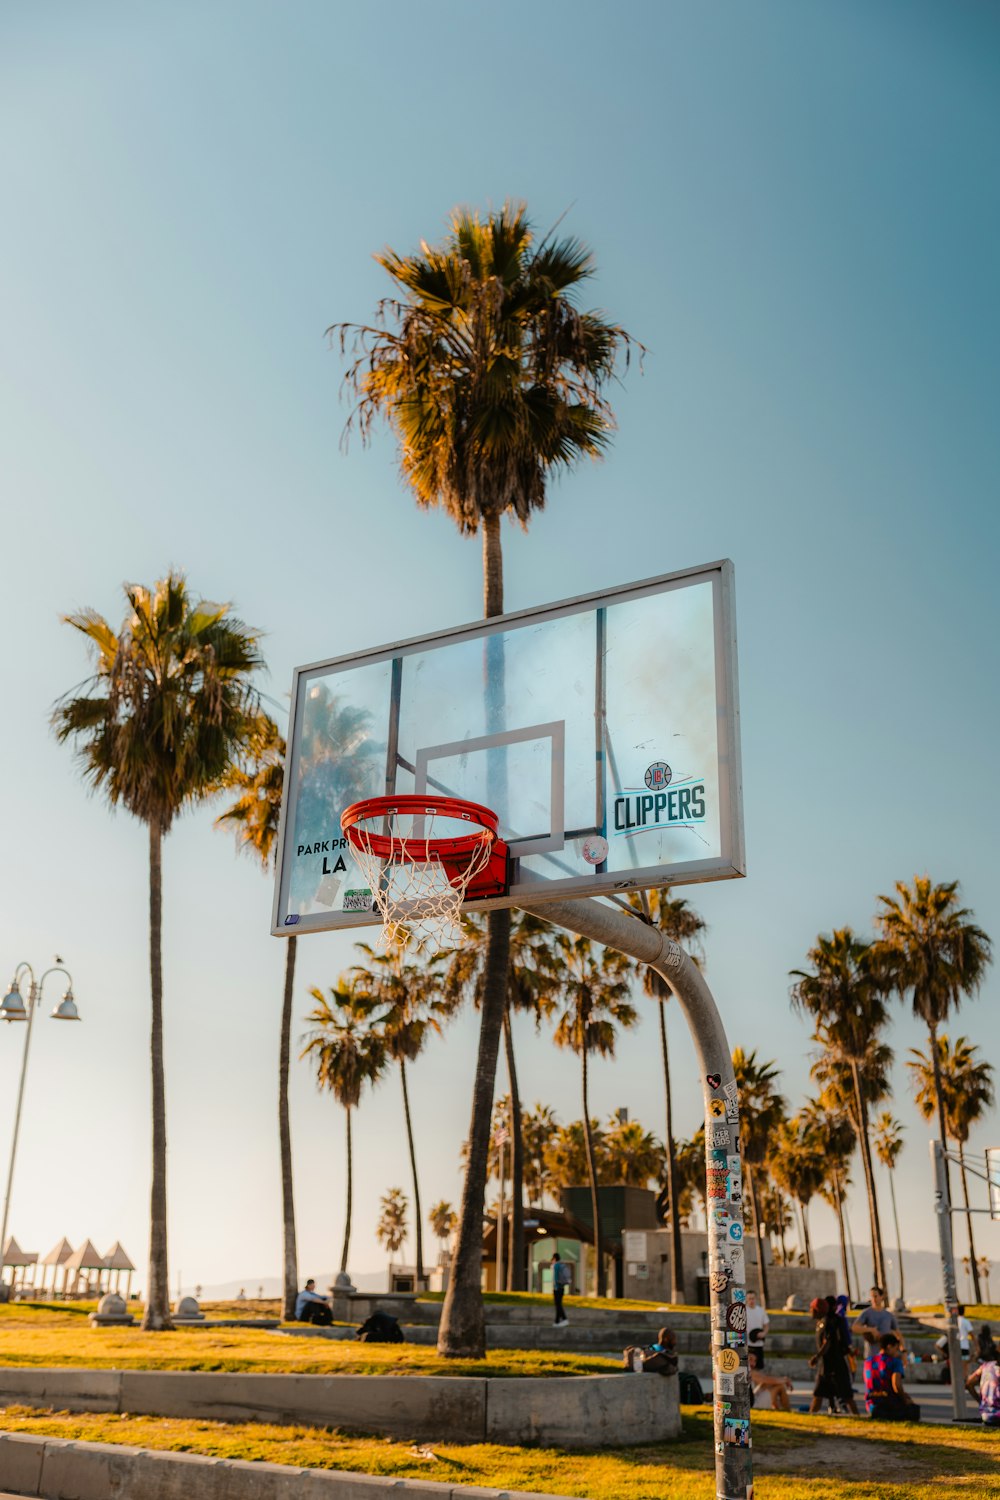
pixel 615 929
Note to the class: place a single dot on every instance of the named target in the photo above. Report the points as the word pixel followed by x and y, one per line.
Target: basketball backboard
pixel 603 730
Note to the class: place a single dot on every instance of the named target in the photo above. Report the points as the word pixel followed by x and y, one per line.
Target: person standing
pixel 964 1339
pixel 885 1397
pixel 875 1321
pixel 757 1326
pixel 833 1378
pixel 561 1278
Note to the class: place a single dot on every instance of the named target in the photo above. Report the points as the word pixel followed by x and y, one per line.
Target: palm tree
pixel 633 1155
pixel 691 1176
pixel 930 950
pixel 528 993
pixel 412 1008
pixel 592 989
pixel 491 379
pixel 566 1155
pixel 442 1219
pixel 349 1052
pixel 965 1088
pixel 337 743
pixel 844 996
pixel 169 709
pixel 390 1230
pixel 826 1119
pixel 798 1165
pixel 762 1110
pixel 887 1136
pixel 538 1128
pixel 678 919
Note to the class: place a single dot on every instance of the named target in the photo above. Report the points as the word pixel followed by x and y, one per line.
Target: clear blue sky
pixel 793 205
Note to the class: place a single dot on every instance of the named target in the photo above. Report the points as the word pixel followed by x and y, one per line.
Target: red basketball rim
pixel 419 851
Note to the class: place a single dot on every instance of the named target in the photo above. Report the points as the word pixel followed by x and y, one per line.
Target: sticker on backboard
pixel 360 900
pixel 328 890
pixel 594 849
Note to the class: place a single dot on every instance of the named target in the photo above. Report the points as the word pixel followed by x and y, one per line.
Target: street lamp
pixel 14 1008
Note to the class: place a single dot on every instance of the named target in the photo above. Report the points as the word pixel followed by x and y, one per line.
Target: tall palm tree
pixel 691 1176
pixel 677 918
pixel 412 1009
pixel 887 1138
pixel 827 1120
pixel 931 950
pixel 538 1128
pixel 798 1165
pixel 349 1051
pixel 168 710
pixel 492 380
pixel 337 743
pixel 390 1230
pixel 634 1155
pixel 965 1087
pixel 762 1110
pixel 844 995
pixel 591 987
pixel 528 993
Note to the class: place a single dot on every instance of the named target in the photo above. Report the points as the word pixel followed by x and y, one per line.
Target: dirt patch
pixel 842 1459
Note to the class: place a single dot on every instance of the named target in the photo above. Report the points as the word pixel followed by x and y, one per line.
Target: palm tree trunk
pixel 492 566
pixel 595 1206
pixel 973 1266
pixel 899 1242
pixel 515 1259
pixel 462 1332
pixel 839 1208
pixel 676 1244
pixel 419 1236
pixel 939 1096
pixel 866 1161
pixel 850 1241
pixel 157 1313
pixel 806 1238
pixel 291 1277
pixel 350 1193
pixel 761 1268
pixel 781 1226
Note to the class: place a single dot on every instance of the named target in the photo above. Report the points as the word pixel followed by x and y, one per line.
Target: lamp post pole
pixel 13 1008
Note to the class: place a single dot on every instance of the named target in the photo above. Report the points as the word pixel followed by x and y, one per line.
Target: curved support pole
pixel 614 928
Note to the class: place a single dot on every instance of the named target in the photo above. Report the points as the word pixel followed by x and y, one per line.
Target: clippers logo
pixel 666 803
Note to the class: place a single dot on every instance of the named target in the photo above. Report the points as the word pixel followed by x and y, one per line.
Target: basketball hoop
pixel 422 858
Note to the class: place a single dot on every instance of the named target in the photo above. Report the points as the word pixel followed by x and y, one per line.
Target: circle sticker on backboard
pixel 728 1361
pixel 595 849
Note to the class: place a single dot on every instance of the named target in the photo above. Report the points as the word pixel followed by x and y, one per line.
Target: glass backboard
pixel 603 730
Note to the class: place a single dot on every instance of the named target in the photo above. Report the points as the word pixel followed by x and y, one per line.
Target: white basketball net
pixel 418 898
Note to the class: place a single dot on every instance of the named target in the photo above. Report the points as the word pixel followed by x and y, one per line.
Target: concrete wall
pixel 583 1411
pixel 57 1470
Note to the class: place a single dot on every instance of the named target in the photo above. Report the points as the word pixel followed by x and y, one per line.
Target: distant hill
pixel 921 1272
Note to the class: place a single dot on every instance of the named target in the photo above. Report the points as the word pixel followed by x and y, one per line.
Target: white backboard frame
pixel 729 865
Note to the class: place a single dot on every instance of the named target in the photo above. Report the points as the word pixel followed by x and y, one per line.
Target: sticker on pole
pixel 728 1361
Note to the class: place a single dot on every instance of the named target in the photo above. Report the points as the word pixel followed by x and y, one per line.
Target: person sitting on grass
pixel 984 1382
pixel 776 1386
pixel 885 1397
pixel 310 1307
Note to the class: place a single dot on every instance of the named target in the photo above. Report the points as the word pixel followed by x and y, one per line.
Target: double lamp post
pixel 14 1007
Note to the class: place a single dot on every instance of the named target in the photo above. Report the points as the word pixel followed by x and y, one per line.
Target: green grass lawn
pixel 31 1334
pixel 795 1457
